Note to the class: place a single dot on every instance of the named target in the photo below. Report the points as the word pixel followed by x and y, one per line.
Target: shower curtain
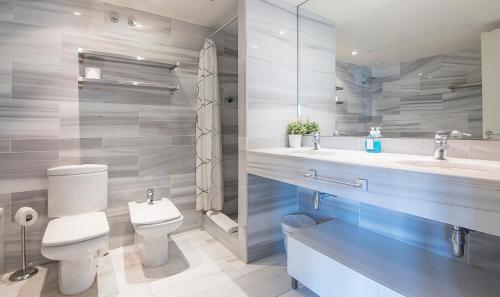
pixel 209 181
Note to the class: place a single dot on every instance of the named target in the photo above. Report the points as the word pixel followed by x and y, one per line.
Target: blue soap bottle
pixel 372 142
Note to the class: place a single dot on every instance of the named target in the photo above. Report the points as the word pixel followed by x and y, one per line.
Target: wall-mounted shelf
pixel 137 60
pixel 92 81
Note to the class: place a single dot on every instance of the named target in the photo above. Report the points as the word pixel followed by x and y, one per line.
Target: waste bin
pixel 294 223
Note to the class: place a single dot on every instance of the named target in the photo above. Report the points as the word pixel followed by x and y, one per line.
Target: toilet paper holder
pixel 25 216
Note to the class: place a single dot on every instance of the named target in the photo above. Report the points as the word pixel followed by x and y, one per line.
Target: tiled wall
pixel 413 98
pixel 267 102
pixel 316 69
pixel 145 136
pixel 468 149
pixel 227 59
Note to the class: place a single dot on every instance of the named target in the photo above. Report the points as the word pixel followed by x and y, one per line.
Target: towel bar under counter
pixel 360 183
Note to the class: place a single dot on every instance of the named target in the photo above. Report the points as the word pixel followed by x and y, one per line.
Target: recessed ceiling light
pixel 77 13
pixel 282 32
pixel 354 53
pixel 255 46
pixel 430 76
pixel 420 74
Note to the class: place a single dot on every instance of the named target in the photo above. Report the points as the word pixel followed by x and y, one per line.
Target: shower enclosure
pixel 226 41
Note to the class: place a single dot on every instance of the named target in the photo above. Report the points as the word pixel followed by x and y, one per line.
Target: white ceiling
pixel 202 12
pixel 392 31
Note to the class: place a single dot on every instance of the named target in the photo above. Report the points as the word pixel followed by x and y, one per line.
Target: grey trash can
pixel 294 223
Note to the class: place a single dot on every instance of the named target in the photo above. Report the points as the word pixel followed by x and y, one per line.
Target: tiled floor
pixel 198 266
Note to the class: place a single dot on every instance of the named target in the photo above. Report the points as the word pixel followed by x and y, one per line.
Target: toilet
pixel 152 224
pixel 77 196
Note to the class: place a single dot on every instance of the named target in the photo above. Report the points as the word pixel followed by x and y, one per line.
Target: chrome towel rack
pixel 360 183
pixel 112 57
pixel 135 60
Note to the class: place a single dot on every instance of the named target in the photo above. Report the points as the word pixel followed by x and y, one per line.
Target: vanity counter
pixel 455 167
pixel 455 191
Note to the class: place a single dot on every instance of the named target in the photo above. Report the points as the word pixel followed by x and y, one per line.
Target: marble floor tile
pixel 198 266
pixel 270 281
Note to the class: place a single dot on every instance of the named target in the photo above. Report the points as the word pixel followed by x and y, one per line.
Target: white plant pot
pixel 295 141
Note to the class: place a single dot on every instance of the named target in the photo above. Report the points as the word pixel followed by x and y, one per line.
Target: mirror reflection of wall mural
pixel 364 64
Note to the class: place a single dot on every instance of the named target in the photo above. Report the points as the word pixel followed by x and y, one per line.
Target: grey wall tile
pixel 6 10
pixel 28 119
pixel 121 163
pixel 98 120
pixel 183 195
pixel 331 207
pixel 340 143
pixel 166 128
pixel 484 252
pixel 27 165
pixel 5 77
pixel 135 143
pixel 268 202
pixel 60 14
pixel 51 144
pixel 25 43
pixel 4 146
pixel 4 226
pixel 422 233
pixel 485 150
pixel 44 82
pixel 170 160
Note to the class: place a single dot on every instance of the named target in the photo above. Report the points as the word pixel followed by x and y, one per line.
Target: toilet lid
pixel 159 212
pixel 71 229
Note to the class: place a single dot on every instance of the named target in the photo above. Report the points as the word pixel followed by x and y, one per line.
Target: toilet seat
pixel 76 228
pixel 161 211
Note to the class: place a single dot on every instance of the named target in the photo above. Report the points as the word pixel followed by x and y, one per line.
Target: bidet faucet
pixel 441 145
pixel 150 196
pixel 316 141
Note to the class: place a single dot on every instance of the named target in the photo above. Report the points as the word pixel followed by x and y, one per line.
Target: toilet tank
pixel 77 189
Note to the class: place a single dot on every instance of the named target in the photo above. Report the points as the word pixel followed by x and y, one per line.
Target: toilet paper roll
pixel 26 216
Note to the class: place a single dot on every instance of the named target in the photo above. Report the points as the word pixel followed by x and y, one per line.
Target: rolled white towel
pixel 223 221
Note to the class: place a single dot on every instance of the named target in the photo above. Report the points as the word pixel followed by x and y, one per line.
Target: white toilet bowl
pixel 152 224
pixel 74 242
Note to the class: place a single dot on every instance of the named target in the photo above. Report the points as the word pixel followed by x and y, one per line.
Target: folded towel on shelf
pixel 223 221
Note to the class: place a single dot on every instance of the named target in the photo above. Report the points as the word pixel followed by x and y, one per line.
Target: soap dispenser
pixel 372 142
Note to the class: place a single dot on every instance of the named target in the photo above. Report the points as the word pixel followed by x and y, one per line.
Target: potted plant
pixel 295 131
pixel 311 127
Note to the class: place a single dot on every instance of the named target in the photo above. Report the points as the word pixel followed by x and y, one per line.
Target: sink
pixel 452 165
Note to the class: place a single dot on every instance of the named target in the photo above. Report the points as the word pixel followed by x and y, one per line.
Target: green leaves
pixel 311 127
pixel 300 127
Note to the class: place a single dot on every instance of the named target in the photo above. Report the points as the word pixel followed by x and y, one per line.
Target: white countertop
pixel 470 168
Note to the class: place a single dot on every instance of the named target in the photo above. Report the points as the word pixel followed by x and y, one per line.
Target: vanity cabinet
pixel 336 259
pixel 325 276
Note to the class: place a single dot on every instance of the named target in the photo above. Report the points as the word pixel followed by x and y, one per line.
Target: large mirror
pixel 411 67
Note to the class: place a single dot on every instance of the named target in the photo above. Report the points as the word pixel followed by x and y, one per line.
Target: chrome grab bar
pixel 361 184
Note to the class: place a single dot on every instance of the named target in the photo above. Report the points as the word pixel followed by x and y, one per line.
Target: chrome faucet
pixel 316 141
pixel 150 196
pixel 441 145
